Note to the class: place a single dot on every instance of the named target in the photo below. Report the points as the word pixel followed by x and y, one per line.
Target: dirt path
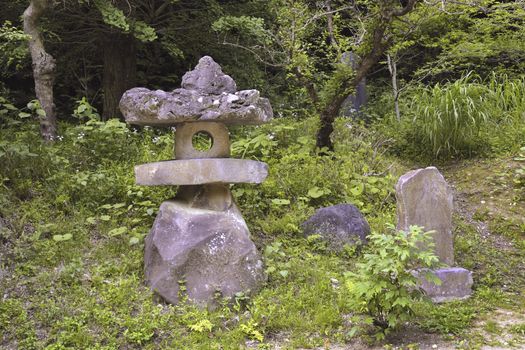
pixel 486 201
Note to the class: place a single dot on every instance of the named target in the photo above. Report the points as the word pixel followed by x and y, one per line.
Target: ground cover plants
pixel 73 223
pixel 445 87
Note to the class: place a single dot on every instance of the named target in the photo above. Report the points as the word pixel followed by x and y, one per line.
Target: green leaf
pixel 315 192
pixel 91 220
pixel 270 269
pixel 357 190
pixel 283 273
pixel 134 240
pixel 24 115
pixel 278 201
pixel 118 231
pixel 41 112
pixel 60 238
pixel 352 332
pixel 105 218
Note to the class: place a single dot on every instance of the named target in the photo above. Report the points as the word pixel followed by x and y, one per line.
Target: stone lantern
pixel 199 239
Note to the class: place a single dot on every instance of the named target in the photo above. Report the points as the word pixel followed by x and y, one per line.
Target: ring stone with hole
pixel 218 132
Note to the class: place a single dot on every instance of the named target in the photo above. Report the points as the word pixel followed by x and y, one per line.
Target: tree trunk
pixel 120 71
pixel 327 117
pixel 392 67
pixel 331 109
pixel 380 43
pixel 43 67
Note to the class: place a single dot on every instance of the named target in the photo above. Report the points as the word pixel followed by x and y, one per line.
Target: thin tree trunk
pixel 120 71
pixel 331 109
pixel 392 67
pixel 327 117
pixel 330 25
pixel 43 67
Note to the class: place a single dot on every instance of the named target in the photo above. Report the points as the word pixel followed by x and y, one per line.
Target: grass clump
pixel 458 119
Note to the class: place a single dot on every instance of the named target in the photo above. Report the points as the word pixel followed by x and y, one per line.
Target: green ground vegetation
pixel 73 224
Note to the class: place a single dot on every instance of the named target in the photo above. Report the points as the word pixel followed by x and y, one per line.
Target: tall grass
pixel 455 118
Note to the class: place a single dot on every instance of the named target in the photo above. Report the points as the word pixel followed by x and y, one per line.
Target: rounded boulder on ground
pixel 338 225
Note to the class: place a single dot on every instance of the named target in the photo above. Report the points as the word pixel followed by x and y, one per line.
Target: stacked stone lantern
pixel 199 239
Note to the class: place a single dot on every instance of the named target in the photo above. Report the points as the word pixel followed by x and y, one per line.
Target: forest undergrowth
pixel 72 228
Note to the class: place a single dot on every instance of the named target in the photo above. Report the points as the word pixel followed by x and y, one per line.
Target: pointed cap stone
pixel 208 78
pixel 207 94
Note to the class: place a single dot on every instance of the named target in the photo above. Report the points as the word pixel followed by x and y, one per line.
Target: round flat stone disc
pixel 201 171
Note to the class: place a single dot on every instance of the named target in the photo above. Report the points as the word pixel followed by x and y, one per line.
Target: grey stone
pixel 456 284
pixel 211 196
pixel 184 137
pixel 142 106
pixel 339 225
pixel 208 78
pixel 206 95
pixel 425 199
pixel 209 251
pixel 200 238
pixel 201 171
pixel 353 104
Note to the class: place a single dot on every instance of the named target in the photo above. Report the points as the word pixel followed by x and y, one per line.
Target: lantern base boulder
pixel 209 252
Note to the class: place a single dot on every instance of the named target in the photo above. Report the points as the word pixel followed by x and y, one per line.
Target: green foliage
pixel 384 286
pixel 8 113
pixel 115 17
pixel 449 318
pixel 73 241
pixel 449 118
pixel 518 329
pixel 485 38
pixel 243 28
pixel 343 73
pixel 13 48
pixel 300 181
pixel 143 31
pixel 85 111
pixel 112 15
pixel 458 119
pixel 35 108
pixel 277 263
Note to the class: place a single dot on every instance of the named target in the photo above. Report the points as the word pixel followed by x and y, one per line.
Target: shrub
pixel 383 286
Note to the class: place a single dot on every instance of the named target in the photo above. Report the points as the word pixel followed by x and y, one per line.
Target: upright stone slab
pixel 354 102
pixel 425 199
pixel 199 238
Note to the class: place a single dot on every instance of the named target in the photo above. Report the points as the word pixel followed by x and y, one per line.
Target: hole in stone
pixel 202 141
